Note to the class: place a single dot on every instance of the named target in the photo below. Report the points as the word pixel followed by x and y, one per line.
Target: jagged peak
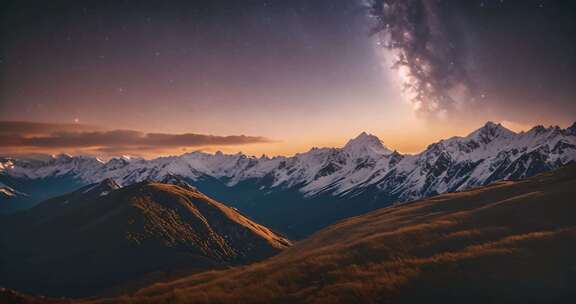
pixel 537 129
pixel 125 159
pixel 492 126
pixel 106 185
pixel 489 131
pixel 63 158
pixel 366 142
pixel 62 155
pixel 102 188
pixel 109 183
pixel 571 130
pixel 177 180
pixel 218 154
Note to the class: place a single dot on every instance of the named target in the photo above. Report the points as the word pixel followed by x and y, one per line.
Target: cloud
pixel 51 137
pixel 428 54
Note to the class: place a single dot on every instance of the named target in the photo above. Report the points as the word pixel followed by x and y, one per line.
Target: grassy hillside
pixel 103 239
pixel 507 242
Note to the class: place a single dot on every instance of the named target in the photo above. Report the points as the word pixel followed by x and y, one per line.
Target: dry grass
pixel 508 242
pixel 125 240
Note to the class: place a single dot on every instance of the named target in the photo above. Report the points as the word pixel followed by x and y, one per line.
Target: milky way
pixel 429 60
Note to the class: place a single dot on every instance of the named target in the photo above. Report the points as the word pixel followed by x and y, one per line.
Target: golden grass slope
pixel 124 240
pixel 510 242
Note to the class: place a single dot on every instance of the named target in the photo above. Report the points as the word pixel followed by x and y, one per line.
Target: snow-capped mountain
pixel 8 192
pixel 12 200
pixel 488 154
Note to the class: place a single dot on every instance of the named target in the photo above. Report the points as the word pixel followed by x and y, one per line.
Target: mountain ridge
pixel 102 237
pixel 508 242
pixel 196 164
pixel 364 171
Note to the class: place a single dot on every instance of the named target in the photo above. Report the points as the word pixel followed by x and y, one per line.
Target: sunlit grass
pixel 503 239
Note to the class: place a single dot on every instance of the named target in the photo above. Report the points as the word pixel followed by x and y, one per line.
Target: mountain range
pixel 325 184
pixel 508 242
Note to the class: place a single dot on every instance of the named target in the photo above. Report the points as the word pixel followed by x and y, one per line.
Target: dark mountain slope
pixel 101 237
pixel 33 191
pixel 509 242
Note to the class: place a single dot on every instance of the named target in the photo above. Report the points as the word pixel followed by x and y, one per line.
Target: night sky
pixel 277 77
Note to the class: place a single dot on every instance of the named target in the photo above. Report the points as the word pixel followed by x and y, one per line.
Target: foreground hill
pixel 103 237
pixel 507 242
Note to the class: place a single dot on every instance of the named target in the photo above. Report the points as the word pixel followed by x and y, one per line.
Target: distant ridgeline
pixel 303 193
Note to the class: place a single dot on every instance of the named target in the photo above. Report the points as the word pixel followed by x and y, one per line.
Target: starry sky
pixel 277 77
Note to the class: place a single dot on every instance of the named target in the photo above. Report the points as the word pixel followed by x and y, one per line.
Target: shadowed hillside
pixel 507 242
pixel 103 237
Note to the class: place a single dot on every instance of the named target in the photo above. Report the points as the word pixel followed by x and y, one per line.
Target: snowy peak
pixel 63 157
pixel 108 184
pixel 100 189
pixel 177 180
pixel 7 192
pixel 539 129
pixel 571 130
pixel 489 132
pixel 366 143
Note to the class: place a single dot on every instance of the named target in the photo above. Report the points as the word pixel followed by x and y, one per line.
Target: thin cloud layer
pixel 51 137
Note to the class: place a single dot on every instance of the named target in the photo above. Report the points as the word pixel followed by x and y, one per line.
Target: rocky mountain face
pixel 364 170
pixel 103 237
pixel 12 200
